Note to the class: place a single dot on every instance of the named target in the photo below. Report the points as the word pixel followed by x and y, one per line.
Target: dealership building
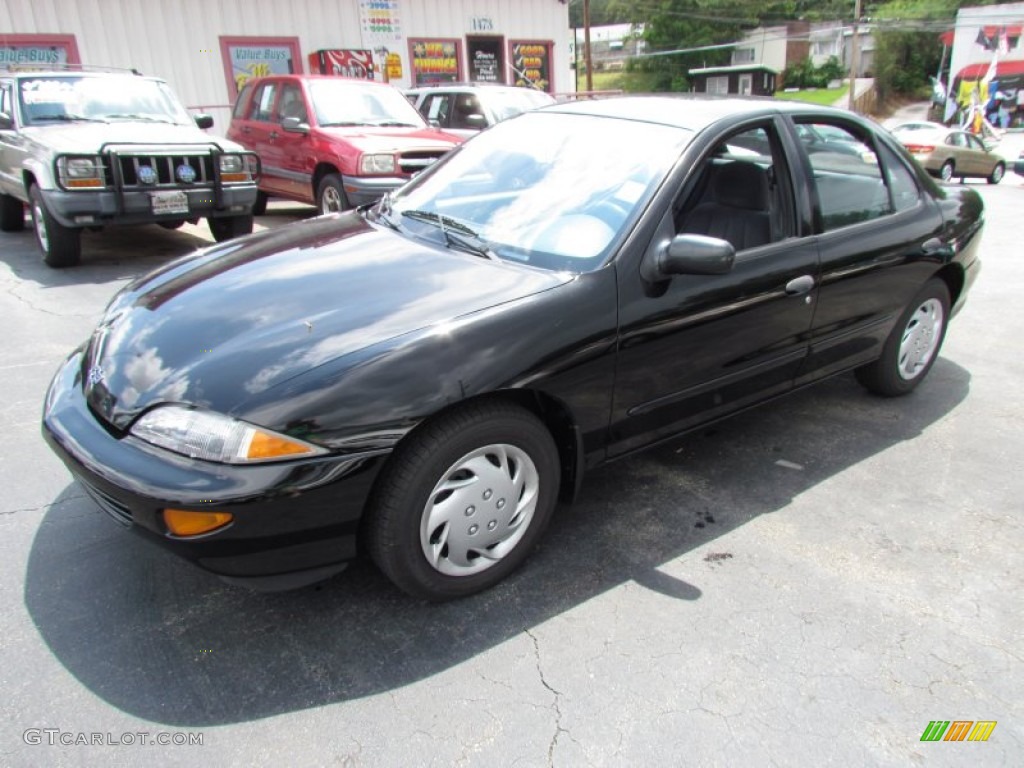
pixel 207 49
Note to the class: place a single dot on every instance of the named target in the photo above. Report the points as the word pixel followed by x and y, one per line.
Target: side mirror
pixel 295 125
pixel 204 121
pixel 434 123
pixel 6 122
pixel 476 120
pixel 688 255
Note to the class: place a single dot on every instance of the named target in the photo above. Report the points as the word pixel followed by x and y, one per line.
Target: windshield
pixel 344 102
pixel 548 189
pixel 64 98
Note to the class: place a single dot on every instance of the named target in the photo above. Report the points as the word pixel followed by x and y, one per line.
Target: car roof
pixel 690 111
pixel 33 74
pixel 314 78
pixel 465 86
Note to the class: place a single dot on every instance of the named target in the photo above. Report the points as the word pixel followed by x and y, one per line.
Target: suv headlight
pixel 214 437
pixel 370 165
pixel 239 168
pixel 80 172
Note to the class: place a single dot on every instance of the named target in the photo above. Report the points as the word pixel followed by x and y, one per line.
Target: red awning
pixel 1011 30
pixel 1003 69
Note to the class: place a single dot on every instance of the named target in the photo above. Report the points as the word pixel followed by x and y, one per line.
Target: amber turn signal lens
pixel 185 522
pixel 266 446
pixel 233 177
pixel 81 183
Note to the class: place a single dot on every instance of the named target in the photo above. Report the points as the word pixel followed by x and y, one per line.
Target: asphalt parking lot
pixel 810 583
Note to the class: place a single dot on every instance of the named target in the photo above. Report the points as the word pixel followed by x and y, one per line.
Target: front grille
pixel 109 504
pixel 414 162
pixel 165 167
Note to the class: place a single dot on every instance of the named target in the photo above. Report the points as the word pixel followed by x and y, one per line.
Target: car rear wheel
pixel 463 500
pixel 61 246
pixel 330 195
pixel 946 171
pixel 12 214
pixel 227 227
pixel 913 346
pixel 997 174
pixel 172 224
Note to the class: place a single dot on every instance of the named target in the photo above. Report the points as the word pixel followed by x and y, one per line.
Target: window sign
pixel 246 58
pixel 435 61
pixel 37 52
pixel 486 63
pixel 531 64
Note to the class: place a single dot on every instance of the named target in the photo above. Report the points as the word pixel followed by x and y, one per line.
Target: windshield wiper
pixel 68 118
pixel 394 124
pixel 382 212
pixel 456 234
pixel 343 124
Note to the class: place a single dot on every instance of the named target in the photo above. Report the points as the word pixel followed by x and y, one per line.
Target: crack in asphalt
pixel 556 705
pixel 41 508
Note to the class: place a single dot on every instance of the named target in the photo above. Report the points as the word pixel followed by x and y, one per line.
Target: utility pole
pixel 854 57
pixel 586 44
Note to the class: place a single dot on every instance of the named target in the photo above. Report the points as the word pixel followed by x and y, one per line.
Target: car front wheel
pixel 997 174
pixel 61 246
pixel 227 227
pixel 463 500
pixel 330 195
pixel 913 346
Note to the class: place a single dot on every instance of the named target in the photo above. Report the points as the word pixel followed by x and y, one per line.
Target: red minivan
pixel 330 141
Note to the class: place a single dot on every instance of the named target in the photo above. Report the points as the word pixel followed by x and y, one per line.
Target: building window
pixel 824 48
pixel 743 56
pixel 718 84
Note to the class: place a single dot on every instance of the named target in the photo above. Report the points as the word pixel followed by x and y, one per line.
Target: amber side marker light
pixel 232 177
pixel 186 522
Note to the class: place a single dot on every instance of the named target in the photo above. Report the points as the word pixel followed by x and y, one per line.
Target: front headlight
pixel 377 164
pixel 80 172
pixel 214 437
pixel 239 168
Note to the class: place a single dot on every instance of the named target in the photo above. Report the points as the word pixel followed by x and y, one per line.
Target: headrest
pixel 740 185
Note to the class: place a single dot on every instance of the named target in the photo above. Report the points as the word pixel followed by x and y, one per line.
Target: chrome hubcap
pixel 37 219
pixel 920 339
pixel 947 172
pixel 331 201
pixel 479 510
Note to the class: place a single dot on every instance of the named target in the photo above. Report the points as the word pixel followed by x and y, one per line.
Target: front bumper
pixel 108 206
pixel 294 522
pixel 360 190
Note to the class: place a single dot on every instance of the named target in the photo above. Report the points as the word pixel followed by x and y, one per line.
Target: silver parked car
pixel 464 109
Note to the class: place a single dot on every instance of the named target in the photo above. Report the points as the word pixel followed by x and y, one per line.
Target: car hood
pixel 87 138
pixel 228 324
pixel 369 139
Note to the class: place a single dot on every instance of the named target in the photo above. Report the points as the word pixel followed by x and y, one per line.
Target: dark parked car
pixel 424 379
pixel 1018 166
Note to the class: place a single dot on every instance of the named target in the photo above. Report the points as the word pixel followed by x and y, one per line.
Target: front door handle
pixel 934 247
pixel 274 135
pixel 799 285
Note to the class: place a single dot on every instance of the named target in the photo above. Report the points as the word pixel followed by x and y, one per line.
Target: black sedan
pixel 424 380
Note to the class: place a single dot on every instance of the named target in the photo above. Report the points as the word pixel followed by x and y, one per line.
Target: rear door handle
pixel 799 285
